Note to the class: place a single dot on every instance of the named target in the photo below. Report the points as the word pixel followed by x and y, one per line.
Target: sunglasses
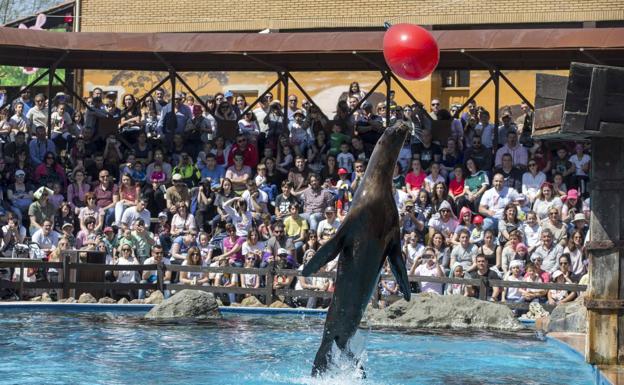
pixel 126 249
pixel 435 104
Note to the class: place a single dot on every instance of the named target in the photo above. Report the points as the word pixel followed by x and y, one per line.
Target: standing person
pixel 582 163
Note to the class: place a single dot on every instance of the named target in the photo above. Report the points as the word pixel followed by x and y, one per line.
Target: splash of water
pixel 344 368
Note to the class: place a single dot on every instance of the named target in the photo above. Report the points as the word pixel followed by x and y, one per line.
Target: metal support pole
pixel 259 98
pixel 496 80
pixel 296 83
pixel 50 78
pixel 285 81
pixel 472 97
pixel 185 84
pixel 28 87
pixel 172 79
pixel 388 81
pixel 417 103
pixel 72 92
pixel 517 91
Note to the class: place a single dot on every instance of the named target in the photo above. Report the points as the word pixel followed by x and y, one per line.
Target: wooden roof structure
pixel 509 49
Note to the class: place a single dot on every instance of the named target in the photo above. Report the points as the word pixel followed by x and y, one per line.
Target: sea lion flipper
pixel 327 252
pixel 397 265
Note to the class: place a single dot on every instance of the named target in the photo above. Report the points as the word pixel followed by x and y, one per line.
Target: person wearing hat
pixel 178 193
pixel 506 126
pixel 445 222
pixel 571 206
pixel 513 294
pixel 556 297
pixel 411 220
pixel 343 176
pixel 298 133
pixel 328 226
pixel 41 209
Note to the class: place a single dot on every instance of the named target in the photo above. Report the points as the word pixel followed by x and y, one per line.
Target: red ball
pixel 410 51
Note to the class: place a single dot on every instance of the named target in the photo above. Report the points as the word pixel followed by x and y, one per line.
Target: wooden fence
pixel 71 286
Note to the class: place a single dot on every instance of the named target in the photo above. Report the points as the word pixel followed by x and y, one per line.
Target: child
pixel 555 297
pixel 345 159
pixel 205 248
pixel 261 182
pixel 138 173
pixel 532 231
pixel 336 139
pixel 250 281
pixel 285 160
pixel 477 233
pixel 298 135
pixel 389 287
pixel 158 174
pixel 528 294
pixel 456 288
pixel 562 165
pixel 57 198
pixel 265 227
pixel 522 256
pixel 513 294
pixel 344 179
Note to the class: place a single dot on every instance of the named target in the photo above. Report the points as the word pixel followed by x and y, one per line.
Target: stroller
pixel 20 250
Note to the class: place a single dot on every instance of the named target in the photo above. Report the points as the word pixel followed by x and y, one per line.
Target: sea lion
pixel 369 233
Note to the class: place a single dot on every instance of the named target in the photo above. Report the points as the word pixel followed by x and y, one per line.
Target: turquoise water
pixel 114 348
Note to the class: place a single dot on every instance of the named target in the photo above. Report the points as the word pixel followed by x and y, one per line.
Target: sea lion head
pixel 387 150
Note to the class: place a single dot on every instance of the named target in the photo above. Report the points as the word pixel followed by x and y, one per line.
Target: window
pixel 457 78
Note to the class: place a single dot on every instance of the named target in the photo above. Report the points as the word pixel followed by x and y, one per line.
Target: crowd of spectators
pixel 239 186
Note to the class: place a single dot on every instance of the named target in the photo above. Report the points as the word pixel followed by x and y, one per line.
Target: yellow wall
pixel 323 87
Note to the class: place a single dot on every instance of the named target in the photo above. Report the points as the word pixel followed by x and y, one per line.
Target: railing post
pixel 270 275
pixel 21 286
pixel 160 278
pixel 483 289
pixel 66 276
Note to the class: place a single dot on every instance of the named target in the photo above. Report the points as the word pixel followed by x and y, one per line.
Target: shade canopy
pixel 507 49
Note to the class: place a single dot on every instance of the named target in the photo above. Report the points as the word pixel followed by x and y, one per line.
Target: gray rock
pixel 252 301
pixel 45 297
pixel 106 300
pixel 569 317
pixel 35 299
pixel 432 311
pixel 138 301
pixel 68 300
pixel 86 298
pixel 123 301
pixel 155 298
pixel 279 304
pixel 186 304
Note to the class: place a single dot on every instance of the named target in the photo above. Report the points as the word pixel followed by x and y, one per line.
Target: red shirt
pixel 415 181
pixel 456 187
pixel 250 155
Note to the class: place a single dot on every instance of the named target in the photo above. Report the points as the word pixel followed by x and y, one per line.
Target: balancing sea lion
pixel 369 233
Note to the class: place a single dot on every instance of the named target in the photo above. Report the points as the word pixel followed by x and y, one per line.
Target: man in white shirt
pixel 494 200
pixel 45 237
pixel 132 214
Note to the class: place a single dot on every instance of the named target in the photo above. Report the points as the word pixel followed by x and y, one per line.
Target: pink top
pixel 76 194
pixel 129 194
pixel 415 181
pixel 229 245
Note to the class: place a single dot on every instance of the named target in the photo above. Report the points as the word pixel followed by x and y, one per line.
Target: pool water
pixel 117 348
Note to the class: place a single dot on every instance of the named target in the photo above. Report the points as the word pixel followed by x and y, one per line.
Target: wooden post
pixel 269 278
pixel 605 331
pixel 66 275
pixel 21 286
pixel 160 278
